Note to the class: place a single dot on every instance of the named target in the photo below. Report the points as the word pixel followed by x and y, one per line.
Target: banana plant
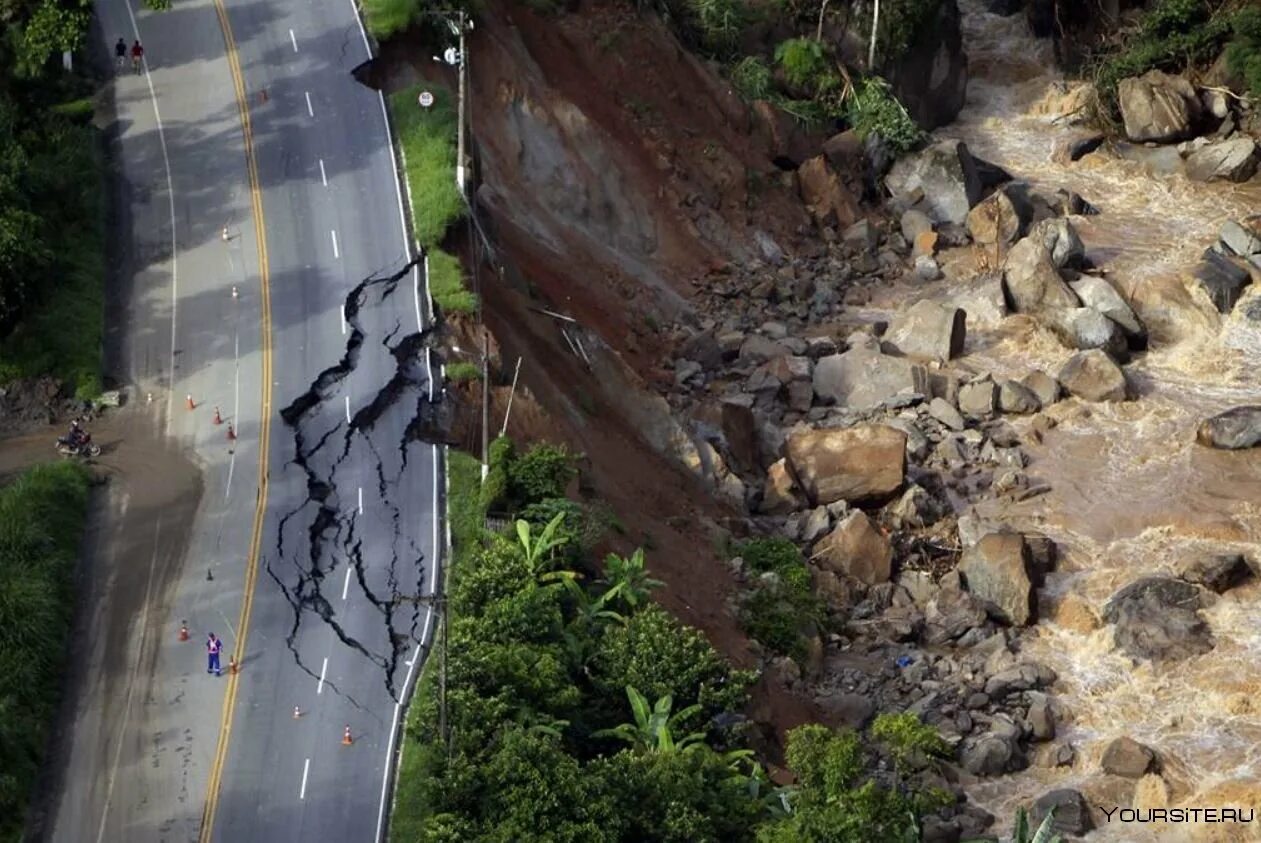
pixel 651 730
pixel 1044 834
pixel 538 549
pixel 627 578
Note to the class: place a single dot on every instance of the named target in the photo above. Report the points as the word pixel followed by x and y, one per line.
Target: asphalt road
pixel 349 533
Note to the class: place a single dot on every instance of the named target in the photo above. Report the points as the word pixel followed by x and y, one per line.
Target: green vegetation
pixel 427 137
pixel 1174 35
pixel 781 609
pixel 51 208
pixel 910 742
pixel 1022 834
pixel 873 109
pixel 462 371
pixel 41 523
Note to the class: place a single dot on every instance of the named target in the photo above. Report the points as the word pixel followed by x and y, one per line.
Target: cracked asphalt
pixel 351 529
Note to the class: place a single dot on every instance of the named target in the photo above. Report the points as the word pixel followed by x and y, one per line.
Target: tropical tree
pixel 627 578
pixel 652 730
pixel 538 550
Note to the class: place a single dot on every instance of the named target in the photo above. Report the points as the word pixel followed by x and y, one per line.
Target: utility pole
pixel 485 403
pixel 459 136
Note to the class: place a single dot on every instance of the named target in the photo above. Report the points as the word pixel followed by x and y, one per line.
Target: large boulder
pixel 982 300
pixel 930 77
pixel 1031 279
pixel 1001 217
pixel 1158 107
pixel 856 548
pixel 1085 328
pixel 739 430
pixel 1243 238
pixel 928 329
pixel 779 492
pixel 825 195
pixel 995 752
pixel 997 570
pixel 1239 427
pixel 1222 277
pixel 1072 812
pixel 951 614
pixel 1234 159
pixel 946 173
pixel 1170 312
pixel 1060 239
pixel 1156 618
pixel 863 378
pixel 866 462
pixel 1218 573
pixel 1128 758
pixel 1097 293
pixel 1093 376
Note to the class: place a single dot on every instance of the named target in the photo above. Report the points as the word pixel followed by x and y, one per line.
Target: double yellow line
pixel 264 430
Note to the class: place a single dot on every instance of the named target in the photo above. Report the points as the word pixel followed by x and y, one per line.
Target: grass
pixel 42 516
pixel 61 334
pixel 384 18
pixel 462 371
pixel 427 136
pixel 468 525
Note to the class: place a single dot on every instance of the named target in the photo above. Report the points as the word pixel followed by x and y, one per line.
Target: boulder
pixel 926 268
pixel 997 570
pixel 1045 387
pixel 1171 313
pixel 1000 217
pixel 817 523
pixel 1097 293
pixel 1093 376
pixel 915 223
pixel 950 615
pixel 1061 240
pixel 1015 397
pixel 995 752
pixel 1041 719
pixel 930 76
pixel 704 349
pixel 1084 328
pixel 1072 813
pixel 1217 573
pixel 1031 279
pixel 1233 159
pixel 779 492
pixel 786 137
pixel 863 378
pixel 758 349
pixel 1128 758
pixel 978 398
pixel 928 329
pixel 1157 107
pixel 945 412
pixel 825 195
pixel 856 548
pixel 861 236
pixel 1156 618
pixel 947 175
pixel 739 430
pixel 1239 427
pixel 866 462
pixel 1242 238
pixel 1222 277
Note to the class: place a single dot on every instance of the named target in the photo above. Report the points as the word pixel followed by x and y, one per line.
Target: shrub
pixel 773 554
pixel 719 23
pixel 802 60
pixel 1243 54
pixel 909 741
pixel 873 109
pixel 494 490
pixel 781 607
pixel 901 24
pixel 752 78
pixel 462 371
pixel 542 472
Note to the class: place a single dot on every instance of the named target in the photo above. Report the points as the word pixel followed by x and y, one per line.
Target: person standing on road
pixel 213 648
pixel 120 53
pixel 137 53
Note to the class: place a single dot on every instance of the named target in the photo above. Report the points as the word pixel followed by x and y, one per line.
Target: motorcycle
pixel 83 448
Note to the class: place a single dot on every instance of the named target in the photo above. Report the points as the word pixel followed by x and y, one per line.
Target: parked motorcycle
pixel 83 448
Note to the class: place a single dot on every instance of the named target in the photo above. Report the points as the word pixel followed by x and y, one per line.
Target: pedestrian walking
pixel 137 53
pixel 213 647
pixel 120 53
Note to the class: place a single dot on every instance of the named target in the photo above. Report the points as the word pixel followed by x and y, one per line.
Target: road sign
pixel 425 99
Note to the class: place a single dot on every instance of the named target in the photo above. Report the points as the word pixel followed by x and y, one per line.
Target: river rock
pixel 1015 397
pixel 1031 279
pixel 1222 279
pixel 866 462
pixel 1128 758
pixel 997 571
pixel 863 378
pixel 1097 293
pixel 945 412
pixel 1234 159
pixel 979 398
pixel 1239 427
pixel 1093 376
pixel 780 493
pixel 1171 313
pixel 1157 107
pixel 856 548
pixel 1000 217
pixel 947 175
pixel 983 301
pixel 1156 618
pixel 1217 573
pixel 928 329
pixel 1242 238
pixel 1084 328
pixel 1041 718
pixel 995 752
pixel 1061 239
pixel 1045 387
pixel 1072 813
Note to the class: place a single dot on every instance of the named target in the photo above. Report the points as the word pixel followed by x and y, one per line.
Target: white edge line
pixel 170 195
pixel 309 109
pixel 361 496
pixel 306 768
pixel 336 252
pixel 319 689
pixel 323 175
pixel 294 40
pixel 366 46
pixel 341 311
pixel 346 584
pixel 347 409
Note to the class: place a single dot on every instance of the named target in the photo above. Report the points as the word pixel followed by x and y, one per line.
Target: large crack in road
pixel 334 531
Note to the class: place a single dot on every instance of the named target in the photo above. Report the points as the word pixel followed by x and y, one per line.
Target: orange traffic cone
pixel 346 739
pixel 183 630
pixel 218 418
pixel 231 433
pixel 296 712
pixel 191 405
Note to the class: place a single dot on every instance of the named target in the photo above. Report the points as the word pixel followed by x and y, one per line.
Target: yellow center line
pixel 260 505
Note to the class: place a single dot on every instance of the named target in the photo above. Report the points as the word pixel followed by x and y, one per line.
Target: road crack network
pixel 336 457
